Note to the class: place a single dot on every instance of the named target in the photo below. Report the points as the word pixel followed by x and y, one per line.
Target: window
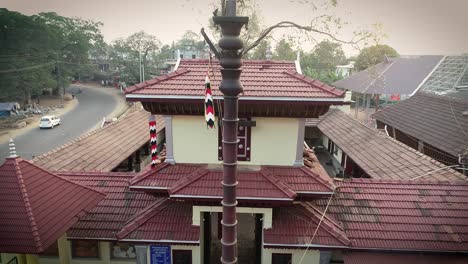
pixel 85 249
pixel 120 250
pixel 51 251
pixel 243 134
pixel 194 56
pixel 182 256
pixel 281 258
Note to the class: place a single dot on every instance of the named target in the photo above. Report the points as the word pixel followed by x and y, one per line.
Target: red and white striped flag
pixel 209 105
pixel 153 141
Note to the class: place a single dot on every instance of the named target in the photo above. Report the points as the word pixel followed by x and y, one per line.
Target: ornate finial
pixel 12 149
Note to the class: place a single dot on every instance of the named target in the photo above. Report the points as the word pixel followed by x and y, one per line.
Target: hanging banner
pixel 209 105
pixel 153 141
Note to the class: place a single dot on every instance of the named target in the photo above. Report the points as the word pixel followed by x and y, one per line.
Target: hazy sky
pixel 413 26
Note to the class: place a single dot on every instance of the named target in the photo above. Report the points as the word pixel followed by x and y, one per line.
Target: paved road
pixel 93 105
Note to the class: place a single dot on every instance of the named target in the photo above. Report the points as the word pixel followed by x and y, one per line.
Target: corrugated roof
pixel 198 180
pixel 38 207
pixel 437 120
pixel 130 215
pixel 275 79
pixel 102 149
pixel 401 75
pixel 379 155
pixel 402 214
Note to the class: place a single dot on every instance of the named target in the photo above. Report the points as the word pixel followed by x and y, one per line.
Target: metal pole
pixel 231 87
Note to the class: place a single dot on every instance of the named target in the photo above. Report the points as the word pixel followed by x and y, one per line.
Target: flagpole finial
pixel 12 149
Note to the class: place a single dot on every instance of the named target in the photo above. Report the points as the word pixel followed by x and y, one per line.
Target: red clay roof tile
pixel 276 79
pixel 37 207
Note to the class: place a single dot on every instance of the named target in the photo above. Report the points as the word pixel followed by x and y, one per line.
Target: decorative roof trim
pixel 242 98
pixel 186 181
pixel 220 197
pixel 316 83
pixel 27 204
pixel 142 85
pixel 147 173
pixel 141 218
pixel 268 175
pixel 162 241
pixel 301 245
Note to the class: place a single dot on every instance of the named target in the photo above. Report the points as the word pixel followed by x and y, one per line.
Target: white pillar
pixel 142 254
pixel 299 161
pixel 169 140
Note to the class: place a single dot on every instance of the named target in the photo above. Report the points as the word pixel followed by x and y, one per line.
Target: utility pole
pixel 231 87
pixel 57 65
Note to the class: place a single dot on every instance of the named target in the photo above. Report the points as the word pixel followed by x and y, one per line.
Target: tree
pixel 259 53
pixel 127 53
pixel 325 76
pixel 325 56
pixel 373 55
pixel 284 51
pixel 42 51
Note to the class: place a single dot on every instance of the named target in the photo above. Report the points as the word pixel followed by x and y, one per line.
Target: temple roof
pixel 200 181
pixel 262 80
pixel 37 207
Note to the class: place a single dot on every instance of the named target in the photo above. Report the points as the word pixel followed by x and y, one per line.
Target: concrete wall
pixel 311 256
pixel 273 141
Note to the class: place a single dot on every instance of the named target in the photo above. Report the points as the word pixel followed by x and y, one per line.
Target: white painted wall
pixel 273 141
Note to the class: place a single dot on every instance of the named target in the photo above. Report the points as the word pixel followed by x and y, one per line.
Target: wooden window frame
pixel 289 255
pixel 189 251
pixel 73 253
pixel 111 247
pixel 248 142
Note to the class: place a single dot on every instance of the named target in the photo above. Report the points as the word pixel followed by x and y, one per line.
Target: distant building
pixel 345 70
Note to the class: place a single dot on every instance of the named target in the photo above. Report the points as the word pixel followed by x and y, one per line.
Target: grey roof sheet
pixel 379 155
pixel 401 75
pixel 435 119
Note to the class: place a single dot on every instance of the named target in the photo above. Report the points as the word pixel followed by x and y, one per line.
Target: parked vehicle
pixel 49 122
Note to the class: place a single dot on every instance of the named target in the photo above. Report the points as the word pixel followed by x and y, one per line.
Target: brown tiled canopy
pixel 379 155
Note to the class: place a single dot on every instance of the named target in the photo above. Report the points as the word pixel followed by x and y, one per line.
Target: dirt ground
pixel 33 121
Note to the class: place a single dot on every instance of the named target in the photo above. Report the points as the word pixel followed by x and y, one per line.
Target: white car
pixel 49 122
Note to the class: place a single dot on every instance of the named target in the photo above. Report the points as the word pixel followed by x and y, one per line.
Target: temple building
pixel 287 212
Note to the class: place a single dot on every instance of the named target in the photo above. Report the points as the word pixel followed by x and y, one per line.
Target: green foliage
pixel 325 76
pixel 284 51
pixel 325 56
pixel 373 55
pixel 126 54
pixel 41 52
pixel 259 53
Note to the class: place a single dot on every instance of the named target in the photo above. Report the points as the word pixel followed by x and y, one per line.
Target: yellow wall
pixel 273 141
pixel 311 257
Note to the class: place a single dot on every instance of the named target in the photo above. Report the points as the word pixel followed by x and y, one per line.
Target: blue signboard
pixel 160 254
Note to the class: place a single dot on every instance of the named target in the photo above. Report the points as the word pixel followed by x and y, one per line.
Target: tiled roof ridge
pixel 419 181
pixel 186 181
pixel 71 142
pixel 389 138
pixel 331 226
pixel 141 217
pixel 147 173
pixel 27 204
pixel 317 177
pixel 317 210
pixel 97 173
pixel 153 81
pixel 243 61
pixel 62 178
pixel 316 83
pixel 268 175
